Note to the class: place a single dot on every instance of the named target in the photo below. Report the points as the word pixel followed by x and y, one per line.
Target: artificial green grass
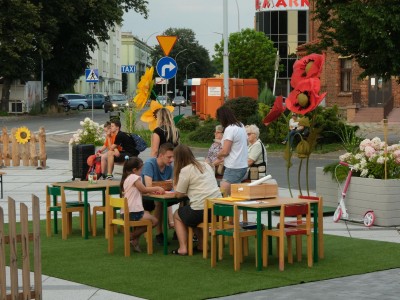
pixel 174 277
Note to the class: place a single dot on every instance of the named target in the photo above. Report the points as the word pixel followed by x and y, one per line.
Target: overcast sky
pixel 204 17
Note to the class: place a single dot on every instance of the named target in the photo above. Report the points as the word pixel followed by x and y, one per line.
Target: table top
pixel 167 195
pixel 261 203
pixel 86 184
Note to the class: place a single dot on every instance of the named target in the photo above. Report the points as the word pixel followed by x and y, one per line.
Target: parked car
pixel 115 102
pixel 98 100
pixel 164 100
pixel 72 101
pixel 179 101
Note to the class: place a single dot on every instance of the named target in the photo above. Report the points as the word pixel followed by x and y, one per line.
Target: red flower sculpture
pixel 304 98
pixel 275 111
pixel 307 67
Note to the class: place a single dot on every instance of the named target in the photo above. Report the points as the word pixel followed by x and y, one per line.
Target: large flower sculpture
pixel 144 88
pixel 150 116
pixel 309 66
pixel 275 112
pixel 23 135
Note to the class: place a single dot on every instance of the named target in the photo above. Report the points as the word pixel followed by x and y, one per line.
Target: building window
pixel 345 74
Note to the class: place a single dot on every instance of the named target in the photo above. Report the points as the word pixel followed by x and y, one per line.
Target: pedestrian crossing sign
pixel 92 75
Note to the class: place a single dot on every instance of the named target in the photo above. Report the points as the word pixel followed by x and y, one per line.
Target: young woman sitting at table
pixel 195 180
pixel 132 189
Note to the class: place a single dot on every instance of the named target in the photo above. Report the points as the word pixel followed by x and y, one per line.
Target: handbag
pixel 256 169
pixel 219 170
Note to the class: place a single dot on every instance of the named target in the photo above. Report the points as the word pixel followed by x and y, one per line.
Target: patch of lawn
pixel 174 277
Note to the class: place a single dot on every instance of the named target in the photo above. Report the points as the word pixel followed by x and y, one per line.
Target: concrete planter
pixel 381 196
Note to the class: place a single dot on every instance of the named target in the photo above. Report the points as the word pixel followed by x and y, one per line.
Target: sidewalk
pixel 20 182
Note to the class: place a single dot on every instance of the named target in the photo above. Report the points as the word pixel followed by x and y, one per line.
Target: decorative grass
pixel 174 277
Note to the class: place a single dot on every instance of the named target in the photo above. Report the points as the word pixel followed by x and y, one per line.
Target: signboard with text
pixel 274 5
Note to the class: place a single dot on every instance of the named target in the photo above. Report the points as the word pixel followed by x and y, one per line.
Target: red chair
pixel 281 232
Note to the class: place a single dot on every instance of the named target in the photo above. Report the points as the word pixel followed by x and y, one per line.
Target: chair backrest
pixel 114 190
pixel 53 190
pixel 296 209
pixel 223 210
pixel 309 197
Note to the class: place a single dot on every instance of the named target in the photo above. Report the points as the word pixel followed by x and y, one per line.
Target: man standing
pixel 158 169
pixel 123 145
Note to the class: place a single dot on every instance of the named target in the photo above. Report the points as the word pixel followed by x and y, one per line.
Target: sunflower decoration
pixel 150 116
pixel 144 88
pixel 23 135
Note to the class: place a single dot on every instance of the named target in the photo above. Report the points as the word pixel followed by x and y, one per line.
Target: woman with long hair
pixel 195 180
pixel 165 132
pixel 234 149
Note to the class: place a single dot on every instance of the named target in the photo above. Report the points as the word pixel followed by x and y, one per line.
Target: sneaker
pixel 110 177
pixel 136 247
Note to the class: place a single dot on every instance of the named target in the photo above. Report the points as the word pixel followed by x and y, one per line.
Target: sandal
pixel 175 252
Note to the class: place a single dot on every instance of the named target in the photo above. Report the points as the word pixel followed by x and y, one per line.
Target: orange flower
pixel 307 67
pixel 304 98
pixel 150 116
pixel 275 111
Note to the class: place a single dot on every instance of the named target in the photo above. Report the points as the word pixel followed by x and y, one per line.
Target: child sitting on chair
pixel 132 189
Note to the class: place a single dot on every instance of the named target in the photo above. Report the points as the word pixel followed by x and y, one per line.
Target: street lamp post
pixel 176 56
pixel 187 78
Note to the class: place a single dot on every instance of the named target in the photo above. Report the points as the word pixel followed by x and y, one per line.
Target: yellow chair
pixel 205 226
pixel 282 232
pixel 66 208
pixel 113 222
pixel 221 228
pixel 112 190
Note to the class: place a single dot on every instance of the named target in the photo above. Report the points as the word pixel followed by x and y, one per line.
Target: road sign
pixel 166 43
pixel 92 75
pixel 128 69
pixel 160 80
pixel 167 67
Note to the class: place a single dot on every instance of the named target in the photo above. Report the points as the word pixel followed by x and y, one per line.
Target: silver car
pixel 116 102
pixel 72 101
pixel 179 101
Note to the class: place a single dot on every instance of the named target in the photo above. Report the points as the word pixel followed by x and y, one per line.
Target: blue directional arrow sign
pixel 167 67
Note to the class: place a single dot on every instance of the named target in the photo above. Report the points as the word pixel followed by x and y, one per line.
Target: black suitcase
pixel 80 154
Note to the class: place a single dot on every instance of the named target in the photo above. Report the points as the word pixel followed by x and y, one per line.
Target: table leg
pixel 165 221
pixel 259 241
pixel 270 237
pixel 1 180
pixel 315 215
pixel 85 213
pixel 104 205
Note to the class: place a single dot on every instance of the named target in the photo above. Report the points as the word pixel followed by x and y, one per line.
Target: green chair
pixel 220 228
pixel 112 190
pixel 53 204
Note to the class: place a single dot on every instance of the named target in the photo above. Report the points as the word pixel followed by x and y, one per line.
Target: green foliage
pixel 203 133
pixel 130 118
pixel 251 55
pixel 266 97
pixel 368 30
pixel 189 123
pixel 349 138
pixel 243 108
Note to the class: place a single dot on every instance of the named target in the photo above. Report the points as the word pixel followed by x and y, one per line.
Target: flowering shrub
pixel 369 161
pixel 91 133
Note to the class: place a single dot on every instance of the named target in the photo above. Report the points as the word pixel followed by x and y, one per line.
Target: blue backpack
pixel 140 143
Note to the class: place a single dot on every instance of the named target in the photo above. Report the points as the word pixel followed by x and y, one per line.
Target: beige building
pixel 107 59
pixel 134 52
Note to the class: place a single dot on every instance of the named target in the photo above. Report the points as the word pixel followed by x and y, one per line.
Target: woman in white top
pixel 234 149
pixel 195 180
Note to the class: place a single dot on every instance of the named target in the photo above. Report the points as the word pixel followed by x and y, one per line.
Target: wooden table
pixel 164 199
pixel 85 187
pixel 270 205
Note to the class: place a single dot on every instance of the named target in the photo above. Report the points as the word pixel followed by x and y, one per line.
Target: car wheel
pixel 80 107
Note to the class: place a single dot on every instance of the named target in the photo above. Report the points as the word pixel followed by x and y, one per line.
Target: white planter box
pixel 381 196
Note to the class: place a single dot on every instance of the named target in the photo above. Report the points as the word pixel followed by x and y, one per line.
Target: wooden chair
pixel 221 229
pixel 282 232
pixel 66 208
pixel 300 222
pixel 205 226
pixel 112 190
pixel 113 222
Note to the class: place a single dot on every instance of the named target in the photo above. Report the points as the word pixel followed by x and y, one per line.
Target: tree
pixel 194 53
pixel 368 30
pixel 17 43
pixel 251 55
